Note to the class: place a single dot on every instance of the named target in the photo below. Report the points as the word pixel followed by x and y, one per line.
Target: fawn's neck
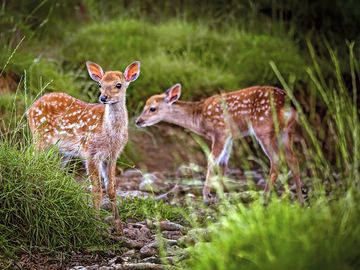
pixel 116 116
pixel 187 115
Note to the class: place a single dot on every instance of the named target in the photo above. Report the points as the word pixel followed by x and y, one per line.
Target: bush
pixel 41 205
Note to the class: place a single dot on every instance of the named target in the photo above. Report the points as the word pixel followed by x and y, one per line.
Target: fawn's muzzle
pixel 139 122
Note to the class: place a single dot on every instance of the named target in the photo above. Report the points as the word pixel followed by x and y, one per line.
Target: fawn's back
pixel 58 118
pixel 245 110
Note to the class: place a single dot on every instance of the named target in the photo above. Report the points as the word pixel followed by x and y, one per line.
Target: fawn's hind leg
pixel 270 147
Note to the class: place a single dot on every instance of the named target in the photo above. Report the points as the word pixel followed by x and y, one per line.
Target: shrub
pixel 41 205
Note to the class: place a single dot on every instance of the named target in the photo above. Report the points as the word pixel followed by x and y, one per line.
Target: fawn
pixel 257 111
pixel 97 133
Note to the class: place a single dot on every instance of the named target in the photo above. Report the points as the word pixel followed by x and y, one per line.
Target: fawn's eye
pixel 118 85
pixel 152 109
pixel 99 85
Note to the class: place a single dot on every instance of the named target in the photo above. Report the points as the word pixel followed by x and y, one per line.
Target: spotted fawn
pixel 256 111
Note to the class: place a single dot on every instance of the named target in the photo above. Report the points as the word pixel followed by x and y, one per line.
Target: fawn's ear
pixel 95 71
pixel 173 94
pixel 132 71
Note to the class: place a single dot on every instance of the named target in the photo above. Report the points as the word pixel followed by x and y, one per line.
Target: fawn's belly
pixel 88 146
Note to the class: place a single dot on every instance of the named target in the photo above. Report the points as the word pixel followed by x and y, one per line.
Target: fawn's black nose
pixel 103 99
pixel 138 122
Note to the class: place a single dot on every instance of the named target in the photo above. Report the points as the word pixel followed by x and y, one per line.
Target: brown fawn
pixel 257 111
pixel 97 133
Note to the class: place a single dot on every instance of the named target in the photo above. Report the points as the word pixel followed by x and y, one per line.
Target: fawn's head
pixel 158 107
pixel 113 84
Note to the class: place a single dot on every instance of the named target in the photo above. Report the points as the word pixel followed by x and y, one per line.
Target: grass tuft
pixel 142 209
pixel 41 205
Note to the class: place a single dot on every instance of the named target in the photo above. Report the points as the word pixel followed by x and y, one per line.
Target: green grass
pixel 141 209
pixel 284 236
pixel 204 60
pixel 42 207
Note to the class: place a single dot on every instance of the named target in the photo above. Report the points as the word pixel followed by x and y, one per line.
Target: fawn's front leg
pixel 92 167
pixel 219 156
pixel 111 190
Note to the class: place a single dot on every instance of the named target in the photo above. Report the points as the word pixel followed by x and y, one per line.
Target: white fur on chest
pixel 114 136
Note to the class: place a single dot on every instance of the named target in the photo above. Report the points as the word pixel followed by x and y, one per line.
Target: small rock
pixel 132 173
pixel 93 267
pixel 115 260
pixel 151 248
pixel 152 259
pixel 148 251
pixel 127 256
pixel 174 235
pixel 171 226
pixel 105 268
pixel 141 233
pixel 131 194
pixel 129 243
pixel 148 183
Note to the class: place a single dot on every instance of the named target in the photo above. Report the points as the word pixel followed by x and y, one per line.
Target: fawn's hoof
pixel 304 193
